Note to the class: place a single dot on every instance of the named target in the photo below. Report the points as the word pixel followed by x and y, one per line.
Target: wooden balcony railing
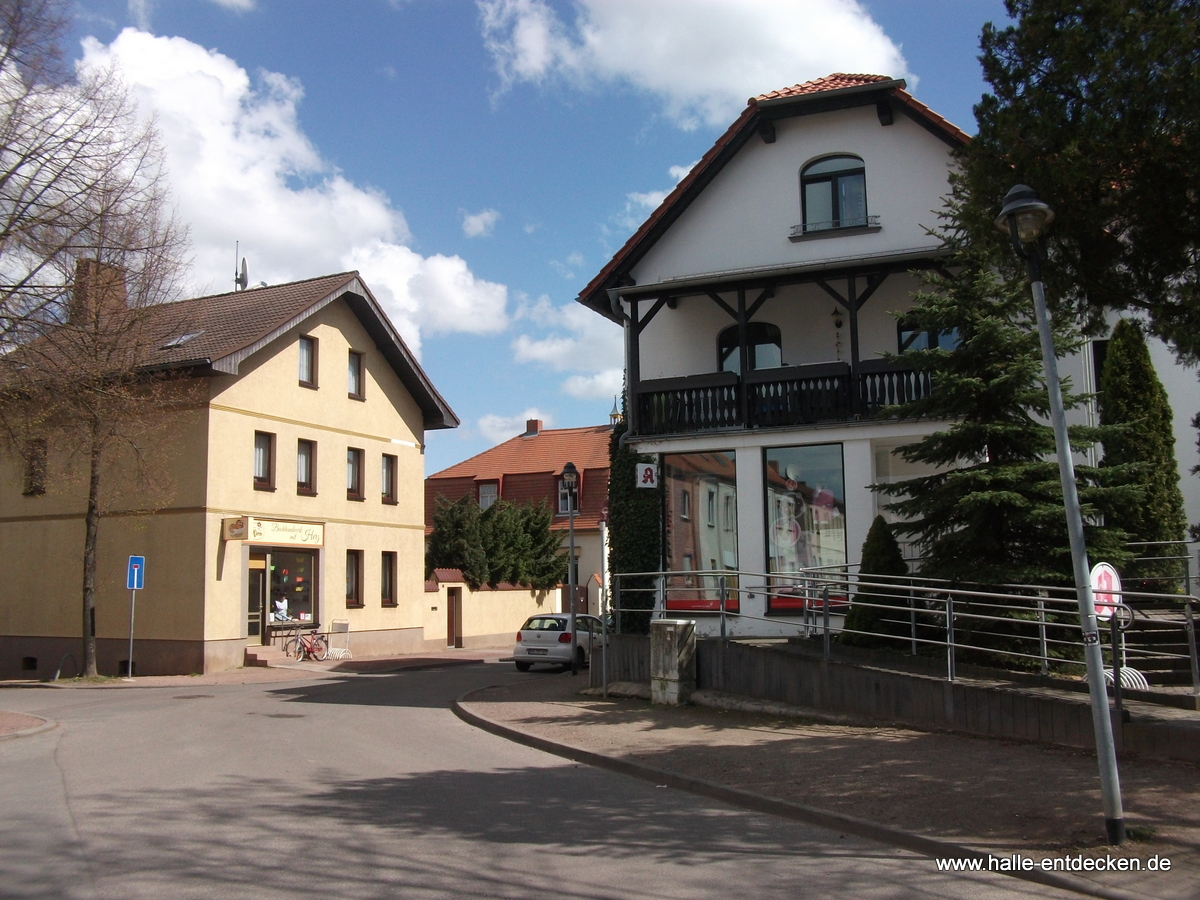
pixel 787 396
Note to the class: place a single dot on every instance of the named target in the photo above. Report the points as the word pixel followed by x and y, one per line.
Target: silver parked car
pixel 547 639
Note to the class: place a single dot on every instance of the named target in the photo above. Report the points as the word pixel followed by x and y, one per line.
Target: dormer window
pixel 763 345
pixel 833 194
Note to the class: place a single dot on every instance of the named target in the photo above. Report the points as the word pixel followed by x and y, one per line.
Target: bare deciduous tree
pixel 90 252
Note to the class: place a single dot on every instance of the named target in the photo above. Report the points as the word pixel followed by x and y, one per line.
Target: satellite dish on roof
pixel 241 279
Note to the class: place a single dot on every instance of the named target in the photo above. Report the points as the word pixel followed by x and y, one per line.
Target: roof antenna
pixel 240 280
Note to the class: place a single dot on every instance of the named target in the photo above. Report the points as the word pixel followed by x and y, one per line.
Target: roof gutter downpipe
pixel 614 301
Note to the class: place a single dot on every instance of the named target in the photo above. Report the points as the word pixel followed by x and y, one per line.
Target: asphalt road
pixel 369 787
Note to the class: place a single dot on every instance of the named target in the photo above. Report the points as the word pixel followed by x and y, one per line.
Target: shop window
pixel 264 461
pixel 489 493
pixel 387 578
pixel 308 361
pixel 354 474
pixel 354 578
pixel 806 510
pixel 306 467
pixel 709 481
pixel 833 194
pixel 763 346
pixel 387 479
pixel 35 468
pixel 355 385
pixel 293 586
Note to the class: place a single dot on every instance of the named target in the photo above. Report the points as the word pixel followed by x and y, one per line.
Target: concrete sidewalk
pixel 936 792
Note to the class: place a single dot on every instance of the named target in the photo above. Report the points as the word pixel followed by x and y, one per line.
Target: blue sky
pixel 480 162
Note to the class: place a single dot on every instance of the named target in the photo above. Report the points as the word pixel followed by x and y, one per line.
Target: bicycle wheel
pixel 320 647
pixel 293 648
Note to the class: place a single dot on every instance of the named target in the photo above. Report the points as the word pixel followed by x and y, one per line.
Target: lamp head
pixel 1024 210
pixel 570 476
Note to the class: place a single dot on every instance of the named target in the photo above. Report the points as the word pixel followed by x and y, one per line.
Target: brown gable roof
pixel 228 328
pixel 834 91
pixel 545 451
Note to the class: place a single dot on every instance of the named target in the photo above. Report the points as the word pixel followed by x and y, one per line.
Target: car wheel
pixel 580 658
pixel 523 666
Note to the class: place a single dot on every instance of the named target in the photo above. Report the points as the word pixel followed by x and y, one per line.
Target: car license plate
pixel 537 651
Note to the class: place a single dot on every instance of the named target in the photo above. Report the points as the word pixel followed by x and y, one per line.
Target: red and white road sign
pixel 1106 590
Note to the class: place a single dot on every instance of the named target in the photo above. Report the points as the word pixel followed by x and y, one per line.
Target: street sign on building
pixel 647 474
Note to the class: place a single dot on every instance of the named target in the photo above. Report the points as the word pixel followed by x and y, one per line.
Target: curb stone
pixel 883 834
pixel 46 725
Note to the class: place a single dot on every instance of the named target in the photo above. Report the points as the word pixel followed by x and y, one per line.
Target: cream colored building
pixel 296 486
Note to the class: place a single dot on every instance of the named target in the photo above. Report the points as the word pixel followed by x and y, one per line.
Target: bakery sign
pixel 273 531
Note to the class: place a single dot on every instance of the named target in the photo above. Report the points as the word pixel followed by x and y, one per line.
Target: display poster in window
pixel 701 509
pixel 806 512
pixel 292 596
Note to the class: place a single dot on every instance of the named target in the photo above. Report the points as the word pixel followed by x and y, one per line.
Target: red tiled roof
pixel 455 576
pixel 833 82
pixel 545 451
pixel 721 151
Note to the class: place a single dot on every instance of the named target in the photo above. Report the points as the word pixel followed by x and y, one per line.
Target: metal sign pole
pixel 132 603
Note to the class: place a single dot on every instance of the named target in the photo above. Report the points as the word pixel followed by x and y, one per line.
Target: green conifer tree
pixel 544 561
pixel 993 512
pixel 456 542
pixel 1131 395
pixel 881 556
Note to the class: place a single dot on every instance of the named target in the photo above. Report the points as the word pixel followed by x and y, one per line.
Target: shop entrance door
pixel 256 631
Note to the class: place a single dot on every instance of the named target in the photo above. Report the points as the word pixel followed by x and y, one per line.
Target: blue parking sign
pixel 136 578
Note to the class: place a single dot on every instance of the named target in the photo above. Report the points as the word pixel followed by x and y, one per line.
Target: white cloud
pixel 242 169
pixel 701 58
pixel 498 429
pixel 480 224
pixel 576 340
pixel 680 172
pixel 570 266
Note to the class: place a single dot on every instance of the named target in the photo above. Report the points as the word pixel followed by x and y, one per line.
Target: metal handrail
pixel 960 613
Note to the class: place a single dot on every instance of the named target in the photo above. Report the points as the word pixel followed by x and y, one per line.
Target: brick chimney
pixel 533 427
pixel 99 290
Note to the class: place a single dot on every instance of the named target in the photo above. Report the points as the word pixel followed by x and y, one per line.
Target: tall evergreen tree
pixel 1096 104
pixel 545 561
pixel 1131 395
pixel 993 511
pixel 457 542
pixel 868 616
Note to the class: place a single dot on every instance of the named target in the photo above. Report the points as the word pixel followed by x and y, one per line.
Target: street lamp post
pixel 1024 218
pixel 570 478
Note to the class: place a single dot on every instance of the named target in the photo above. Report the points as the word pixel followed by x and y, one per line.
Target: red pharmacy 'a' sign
pixel 1106 590
pixel 647 475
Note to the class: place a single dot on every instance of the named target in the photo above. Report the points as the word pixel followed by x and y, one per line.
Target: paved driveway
pixel 369 787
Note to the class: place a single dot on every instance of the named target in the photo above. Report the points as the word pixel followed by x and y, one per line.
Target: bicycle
pixel 312 646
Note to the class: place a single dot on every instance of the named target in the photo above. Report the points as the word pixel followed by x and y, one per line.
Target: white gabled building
pixel 758 302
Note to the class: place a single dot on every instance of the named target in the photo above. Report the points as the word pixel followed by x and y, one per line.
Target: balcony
pixel 790 396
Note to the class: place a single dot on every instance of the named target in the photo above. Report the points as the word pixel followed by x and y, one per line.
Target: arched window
pixel 833 193
pixel 763 342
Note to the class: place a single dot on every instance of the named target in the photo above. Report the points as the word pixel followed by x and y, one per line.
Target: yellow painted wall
pixel 42 538
pixel 195 581
pixel 266 396
pixel 492 615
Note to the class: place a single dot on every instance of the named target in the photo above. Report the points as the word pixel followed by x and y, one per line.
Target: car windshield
pixel 545 623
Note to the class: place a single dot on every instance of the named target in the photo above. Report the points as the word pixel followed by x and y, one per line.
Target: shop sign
pixel 274 532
